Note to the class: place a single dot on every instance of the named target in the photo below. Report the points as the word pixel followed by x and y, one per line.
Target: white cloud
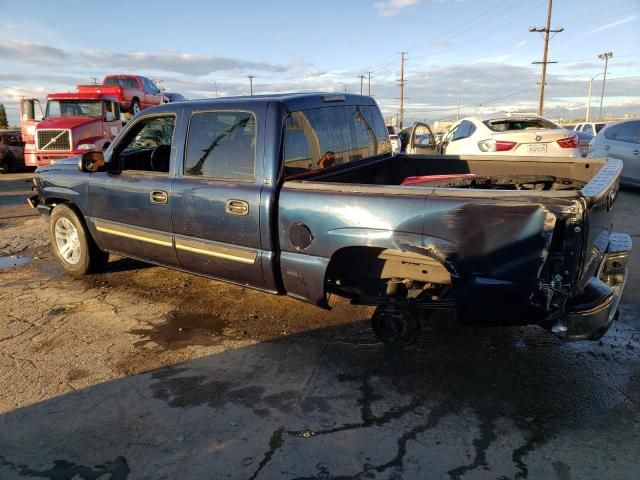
pixel 391 8
pixel 168 61
pixel 614 24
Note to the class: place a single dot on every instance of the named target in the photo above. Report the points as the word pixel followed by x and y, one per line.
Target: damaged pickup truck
pixel 300 194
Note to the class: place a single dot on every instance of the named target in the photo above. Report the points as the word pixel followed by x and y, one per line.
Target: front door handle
pixel 159 196
pixel 607 148
pixel 237 207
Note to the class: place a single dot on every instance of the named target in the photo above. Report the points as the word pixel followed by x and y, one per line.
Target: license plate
pixel 537 148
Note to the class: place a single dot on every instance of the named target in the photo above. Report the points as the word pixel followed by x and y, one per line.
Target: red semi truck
pixel 133 92
pixel 72 124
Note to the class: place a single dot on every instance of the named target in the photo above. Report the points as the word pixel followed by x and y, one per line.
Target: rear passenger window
pixel 465 130
pixel 221 145
pixel 628 132
pixel 588 129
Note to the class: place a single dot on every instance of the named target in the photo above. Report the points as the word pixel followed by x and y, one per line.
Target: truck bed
pixel 517 240
pixel 487 172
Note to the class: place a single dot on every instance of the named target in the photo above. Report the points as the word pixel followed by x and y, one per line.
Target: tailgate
pixel 114 90
pixel 599 196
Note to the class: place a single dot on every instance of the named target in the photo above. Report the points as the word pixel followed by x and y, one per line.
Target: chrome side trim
pixel 213 249
pixel 133 233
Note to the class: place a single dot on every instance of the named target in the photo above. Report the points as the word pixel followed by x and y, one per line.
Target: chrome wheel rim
pixel 136 108
pixel 67 241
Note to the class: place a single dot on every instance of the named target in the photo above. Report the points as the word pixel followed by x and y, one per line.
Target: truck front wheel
pixel 395 325
pixel 73 244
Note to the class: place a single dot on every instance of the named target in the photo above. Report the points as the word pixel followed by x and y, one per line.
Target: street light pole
pixel 251 77
pixel 605 57
pixel 588 116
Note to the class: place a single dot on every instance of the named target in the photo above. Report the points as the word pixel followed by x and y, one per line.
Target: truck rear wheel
pixel 395 325
pixel 135 106
pixel 73 244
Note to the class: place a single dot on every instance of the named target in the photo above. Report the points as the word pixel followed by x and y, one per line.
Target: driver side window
pixel 146 146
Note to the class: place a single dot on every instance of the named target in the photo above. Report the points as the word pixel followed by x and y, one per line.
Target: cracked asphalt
pixel 146 373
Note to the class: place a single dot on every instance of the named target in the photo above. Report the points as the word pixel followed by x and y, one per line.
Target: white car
pixel 394 136
pixel 510 134
pixel 590 127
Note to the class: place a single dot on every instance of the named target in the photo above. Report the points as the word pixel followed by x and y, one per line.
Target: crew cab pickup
pixel 134 93
pixel 300 194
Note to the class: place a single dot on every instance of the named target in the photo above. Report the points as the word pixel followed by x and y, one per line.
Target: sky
pixel 479 52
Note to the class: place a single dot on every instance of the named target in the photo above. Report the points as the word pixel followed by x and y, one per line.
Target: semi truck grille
pixel 54 140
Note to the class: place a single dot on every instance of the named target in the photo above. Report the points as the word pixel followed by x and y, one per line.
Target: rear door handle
pixel 607 148
pixel 159 196
pixel 237 207
pixel 636 152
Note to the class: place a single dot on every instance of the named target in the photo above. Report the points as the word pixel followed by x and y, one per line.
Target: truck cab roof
pixel 291 101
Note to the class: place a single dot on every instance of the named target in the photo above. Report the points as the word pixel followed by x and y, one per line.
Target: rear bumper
pixel 589 316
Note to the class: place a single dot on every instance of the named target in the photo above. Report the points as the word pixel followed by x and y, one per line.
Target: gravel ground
pixel 147 373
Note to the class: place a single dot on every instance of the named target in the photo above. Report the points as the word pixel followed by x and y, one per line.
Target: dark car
pixel 620 140
pixel 584 139
pixel 11 151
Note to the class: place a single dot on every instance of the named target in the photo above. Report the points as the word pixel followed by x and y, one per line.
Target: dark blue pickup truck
pixel 300 194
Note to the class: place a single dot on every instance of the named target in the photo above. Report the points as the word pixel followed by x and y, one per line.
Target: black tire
pixel 135 106
pixel 83 255
pixel 396 326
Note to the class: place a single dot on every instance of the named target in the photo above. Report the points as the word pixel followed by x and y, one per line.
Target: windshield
pixel 506 124
pixel 74 108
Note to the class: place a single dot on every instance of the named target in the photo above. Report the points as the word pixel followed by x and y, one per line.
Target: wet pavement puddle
pixel 183 329
pixel 13 261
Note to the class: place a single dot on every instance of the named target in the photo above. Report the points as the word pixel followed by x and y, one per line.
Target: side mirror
pixel 91 162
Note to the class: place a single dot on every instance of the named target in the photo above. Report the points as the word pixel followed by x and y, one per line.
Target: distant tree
pixel 3 117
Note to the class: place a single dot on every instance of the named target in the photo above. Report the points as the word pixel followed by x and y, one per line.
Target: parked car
pixel 133 92
pixel 418 139
pixel 620 140
pixel 11 151
pixel 521 135
pixel 232 189
pixel 590 127
pixel 584 139
pixel 396 145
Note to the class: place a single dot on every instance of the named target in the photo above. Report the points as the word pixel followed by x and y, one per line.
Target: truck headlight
pixel 87 146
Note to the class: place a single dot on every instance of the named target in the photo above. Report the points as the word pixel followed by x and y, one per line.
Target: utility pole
pixel 545 56
pixel 94 80
pixel 605 57
pixel 251 77
pixel 369 91
pixel 402 82
pixel 458 111
pixel 345 88
pixel 361 82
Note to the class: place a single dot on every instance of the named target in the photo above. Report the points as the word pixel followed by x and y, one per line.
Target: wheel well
pixel 370 271
pixel 53 202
